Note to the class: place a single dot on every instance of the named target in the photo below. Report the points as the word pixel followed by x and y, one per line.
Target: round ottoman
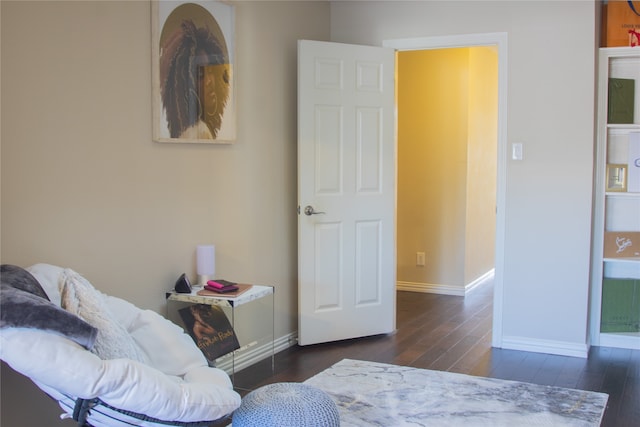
pixel 287 405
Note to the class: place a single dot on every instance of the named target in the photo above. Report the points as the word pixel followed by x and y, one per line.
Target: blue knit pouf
pixel 287 405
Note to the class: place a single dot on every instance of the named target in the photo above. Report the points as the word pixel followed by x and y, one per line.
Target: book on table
pixel 223 288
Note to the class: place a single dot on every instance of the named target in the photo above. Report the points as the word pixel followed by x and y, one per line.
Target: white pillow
pixel 79 297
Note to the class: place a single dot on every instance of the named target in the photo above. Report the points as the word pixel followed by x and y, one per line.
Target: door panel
pixel 346 173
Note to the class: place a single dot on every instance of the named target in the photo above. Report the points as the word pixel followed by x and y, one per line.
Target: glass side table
pixel 251 315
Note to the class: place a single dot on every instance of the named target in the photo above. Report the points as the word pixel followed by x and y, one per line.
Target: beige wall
pixel 447 118
pixel 84 186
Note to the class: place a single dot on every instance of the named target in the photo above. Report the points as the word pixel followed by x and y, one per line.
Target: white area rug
pixel 378 394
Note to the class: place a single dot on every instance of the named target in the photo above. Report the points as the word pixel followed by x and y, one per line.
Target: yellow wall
pixel 446 131
pixel 482 164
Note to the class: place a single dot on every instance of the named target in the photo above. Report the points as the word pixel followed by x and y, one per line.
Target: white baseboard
pixel 252 353
pixel 560 348
pixel 430 288
pixel 438 288
pixel 620 340
pixel 489 275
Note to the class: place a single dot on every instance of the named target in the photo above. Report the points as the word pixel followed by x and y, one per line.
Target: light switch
pixel 516 151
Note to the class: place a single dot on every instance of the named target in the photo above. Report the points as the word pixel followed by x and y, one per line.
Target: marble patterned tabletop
pixel 252 294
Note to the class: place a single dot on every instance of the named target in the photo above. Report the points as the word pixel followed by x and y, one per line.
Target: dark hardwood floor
pixel 452 333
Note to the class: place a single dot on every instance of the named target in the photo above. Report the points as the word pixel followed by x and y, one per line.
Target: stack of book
pixel 221 286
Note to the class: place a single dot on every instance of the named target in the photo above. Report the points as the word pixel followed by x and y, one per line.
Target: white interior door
pixel 346 191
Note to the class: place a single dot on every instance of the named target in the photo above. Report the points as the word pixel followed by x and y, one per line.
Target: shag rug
pixel 379 394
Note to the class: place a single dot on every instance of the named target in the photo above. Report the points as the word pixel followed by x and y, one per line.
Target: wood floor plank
pixel 629 407
pixel 550 370
pixel 571 372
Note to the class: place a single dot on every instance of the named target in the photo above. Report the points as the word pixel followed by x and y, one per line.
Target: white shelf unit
pixel 613 211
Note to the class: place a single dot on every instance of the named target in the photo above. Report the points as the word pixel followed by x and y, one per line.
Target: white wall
pixel 551 79
pixel 84 186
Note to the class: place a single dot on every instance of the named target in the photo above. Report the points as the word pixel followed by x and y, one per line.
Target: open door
pixel 346 191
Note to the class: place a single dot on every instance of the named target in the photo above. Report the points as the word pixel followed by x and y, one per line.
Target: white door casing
pixel 347 175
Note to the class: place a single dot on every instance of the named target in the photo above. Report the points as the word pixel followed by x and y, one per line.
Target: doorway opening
pixel 451 162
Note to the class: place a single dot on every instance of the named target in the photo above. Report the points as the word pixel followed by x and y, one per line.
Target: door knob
pixel 308 210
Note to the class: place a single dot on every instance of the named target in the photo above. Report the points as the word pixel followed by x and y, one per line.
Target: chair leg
pixel 81 411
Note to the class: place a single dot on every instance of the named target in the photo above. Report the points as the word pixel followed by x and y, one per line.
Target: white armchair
pixel 127 367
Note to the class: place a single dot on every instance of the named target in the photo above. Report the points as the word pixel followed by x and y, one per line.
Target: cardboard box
pixel 622 23
pixel 622 244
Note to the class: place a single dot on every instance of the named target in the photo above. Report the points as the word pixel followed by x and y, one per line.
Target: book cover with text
pixel 211 330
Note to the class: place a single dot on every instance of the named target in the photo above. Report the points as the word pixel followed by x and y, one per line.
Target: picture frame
pixel 193 79
pixel 616 177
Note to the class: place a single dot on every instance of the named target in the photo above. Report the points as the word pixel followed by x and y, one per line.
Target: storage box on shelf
pixel 620 23
pixel 620 305
pixel 616 243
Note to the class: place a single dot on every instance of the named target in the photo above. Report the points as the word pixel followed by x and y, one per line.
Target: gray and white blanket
pixel 25 304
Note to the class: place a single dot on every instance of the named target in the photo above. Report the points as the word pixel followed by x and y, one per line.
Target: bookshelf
pixel 615 278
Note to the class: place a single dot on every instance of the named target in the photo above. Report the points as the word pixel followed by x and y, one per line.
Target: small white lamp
pixel 206 263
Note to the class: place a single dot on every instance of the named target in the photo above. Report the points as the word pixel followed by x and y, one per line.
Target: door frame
pixel 472 40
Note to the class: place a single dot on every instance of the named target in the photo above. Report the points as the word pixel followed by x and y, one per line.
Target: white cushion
pixel 56 362
pixel 165 345
pixel 161 343
pixel 79 297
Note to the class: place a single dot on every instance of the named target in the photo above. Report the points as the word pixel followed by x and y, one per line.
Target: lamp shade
pixel 206 263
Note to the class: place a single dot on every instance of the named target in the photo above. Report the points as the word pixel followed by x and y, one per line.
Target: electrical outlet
pixel 420 258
